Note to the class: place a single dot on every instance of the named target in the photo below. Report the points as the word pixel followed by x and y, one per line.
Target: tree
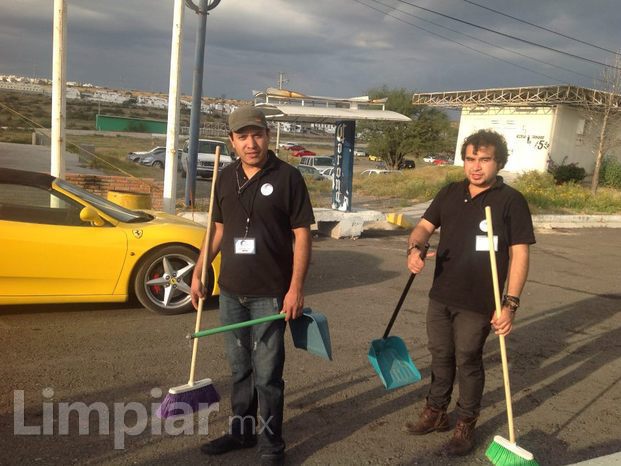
pixel 603 112
pixel 429 131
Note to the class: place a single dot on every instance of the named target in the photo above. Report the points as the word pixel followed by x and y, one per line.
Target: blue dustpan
pixel 310 332
pixel 389 356
pixel 391 360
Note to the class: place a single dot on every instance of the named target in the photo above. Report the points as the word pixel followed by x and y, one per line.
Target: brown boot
pixel 462 441
pixel 430 420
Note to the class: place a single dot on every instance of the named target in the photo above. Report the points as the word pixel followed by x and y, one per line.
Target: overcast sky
pixel 337 48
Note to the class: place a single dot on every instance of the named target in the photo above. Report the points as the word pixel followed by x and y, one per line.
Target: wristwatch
pixel 423 250
pixel 512 302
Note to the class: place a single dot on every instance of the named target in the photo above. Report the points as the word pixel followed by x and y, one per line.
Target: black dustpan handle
pixel 423 254
pixel 399 304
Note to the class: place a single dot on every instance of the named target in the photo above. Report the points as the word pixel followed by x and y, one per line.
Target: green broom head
pixel 501 452
pixel 188 399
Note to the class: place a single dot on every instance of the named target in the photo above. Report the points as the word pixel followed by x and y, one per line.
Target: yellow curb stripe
pixel 399 219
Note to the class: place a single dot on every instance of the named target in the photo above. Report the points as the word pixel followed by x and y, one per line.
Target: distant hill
pixel 31 98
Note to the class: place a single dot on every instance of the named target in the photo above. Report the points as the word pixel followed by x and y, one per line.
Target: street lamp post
pixel 202 10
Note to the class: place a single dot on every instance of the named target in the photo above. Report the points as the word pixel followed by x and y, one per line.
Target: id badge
pixel 482 243
pixel 244 246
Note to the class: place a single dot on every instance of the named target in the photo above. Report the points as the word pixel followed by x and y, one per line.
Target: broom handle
pixel 503 348
pixel 199 311
pixel 399 304
pixel 235 326
pixel 423 254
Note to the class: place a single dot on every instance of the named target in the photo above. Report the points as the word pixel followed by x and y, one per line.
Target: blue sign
pixel 343 165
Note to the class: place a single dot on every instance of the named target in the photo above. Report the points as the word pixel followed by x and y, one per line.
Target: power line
pixel 487 43
pixel 541 27
pixel 458 43
pixel 510 36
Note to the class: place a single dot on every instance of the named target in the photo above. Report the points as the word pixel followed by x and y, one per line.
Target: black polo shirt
pixel 462 276
pixel 276 200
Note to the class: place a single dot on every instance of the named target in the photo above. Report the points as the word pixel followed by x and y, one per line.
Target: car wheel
pixel 158 164
pixel 163 279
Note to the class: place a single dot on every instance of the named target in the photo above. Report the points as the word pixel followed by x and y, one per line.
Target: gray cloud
pixel 326 47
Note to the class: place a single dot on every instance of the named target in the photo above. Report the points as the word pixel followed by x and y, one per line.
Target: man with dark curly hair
pixel 461 308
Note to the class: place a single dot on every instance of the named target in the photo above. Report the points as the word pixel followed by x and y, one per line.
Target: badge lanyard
pixel 240 188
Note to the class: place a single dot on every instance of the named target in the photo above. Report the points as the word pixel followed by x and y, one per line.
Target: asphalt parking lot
pixel 565 357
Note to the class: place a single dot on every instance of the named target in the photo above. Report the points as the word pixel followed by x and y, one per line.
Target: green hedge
pixel 610 173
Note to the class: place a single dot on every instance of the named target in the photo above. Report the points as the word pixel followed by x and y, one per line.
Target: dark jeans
pixel 456 339
pixel 257 357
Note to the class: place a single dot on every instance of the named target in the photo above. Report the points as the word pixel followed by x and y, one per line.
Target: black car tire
pixel 153 288
pixel 158 164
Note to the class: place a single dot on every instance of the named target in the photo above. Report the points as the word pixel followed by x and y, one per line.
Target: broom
pixel 201 393
pixel 503 452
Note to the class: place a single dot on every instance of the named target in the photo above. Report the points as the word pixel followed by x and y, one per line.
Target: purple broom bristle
pixel 180 404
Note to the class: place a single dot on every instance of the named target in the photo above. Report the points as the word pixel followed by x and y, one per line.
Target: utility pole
pixel 174 93
pixel 281 79
pixel 59 68
pixel 202 10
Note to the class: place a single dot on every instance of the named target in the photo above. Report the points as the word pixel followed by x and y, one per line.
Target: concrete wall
pixel 101 185
pixel 572 142
pixel 527 131
pixel 561 132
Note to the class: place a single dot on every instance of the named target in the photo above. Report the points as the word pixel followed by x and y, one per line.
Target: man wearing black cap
pixel 262 217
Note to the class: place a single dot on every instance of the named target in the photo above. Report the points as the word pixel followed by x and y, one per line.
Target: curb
pixel 539 221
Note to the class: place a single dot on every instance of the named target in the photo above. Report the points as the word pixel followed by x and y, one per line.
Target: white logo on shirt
pixel 267 189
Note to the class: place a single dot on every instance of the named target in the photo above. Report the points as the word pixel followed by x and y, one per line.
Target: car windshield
pixel 115 211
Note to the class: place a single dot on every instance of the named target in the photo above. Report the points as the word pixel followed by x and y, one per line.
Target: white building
pixel 537 122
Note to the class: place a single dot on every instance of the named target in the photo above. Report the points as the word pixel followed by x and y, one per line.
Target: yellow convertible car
pixel 62 244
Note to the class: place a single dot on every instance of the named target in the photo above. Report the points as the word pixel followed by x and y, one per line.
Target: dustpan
pixel 310 332
pixel 392 362
pixel 390 357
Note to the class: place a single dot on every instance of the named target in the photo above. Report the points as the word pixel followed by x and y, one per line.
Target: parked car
pixel 63 244
pixel 379 171
pixel 157 158
pixel 407 164
pixel 360 153
pixel 206 157
pixel 310 172
pixel 287 145
pixel 303 153
pixel 295 148
pixel 443 160
pixel 139 155
pixel 431 158
pixel 317 161
pixel 326 172
pixel 375 158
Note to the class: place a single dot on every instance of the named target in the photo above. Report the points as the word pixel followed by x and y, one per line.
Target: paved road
pixel 565 357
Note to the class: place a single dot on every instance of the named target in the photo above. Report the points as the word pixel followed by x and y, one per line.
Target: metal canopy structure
pixel 537 96
pixel 294 107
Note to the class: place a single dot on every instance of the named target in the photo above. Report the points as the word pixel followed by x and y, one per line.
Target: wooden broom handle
pixel 207 245
pixel 503 348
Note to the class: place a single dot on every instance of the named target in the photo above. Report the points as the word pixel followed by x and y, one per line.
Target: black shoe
pixel 277 459
pixel 227 443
